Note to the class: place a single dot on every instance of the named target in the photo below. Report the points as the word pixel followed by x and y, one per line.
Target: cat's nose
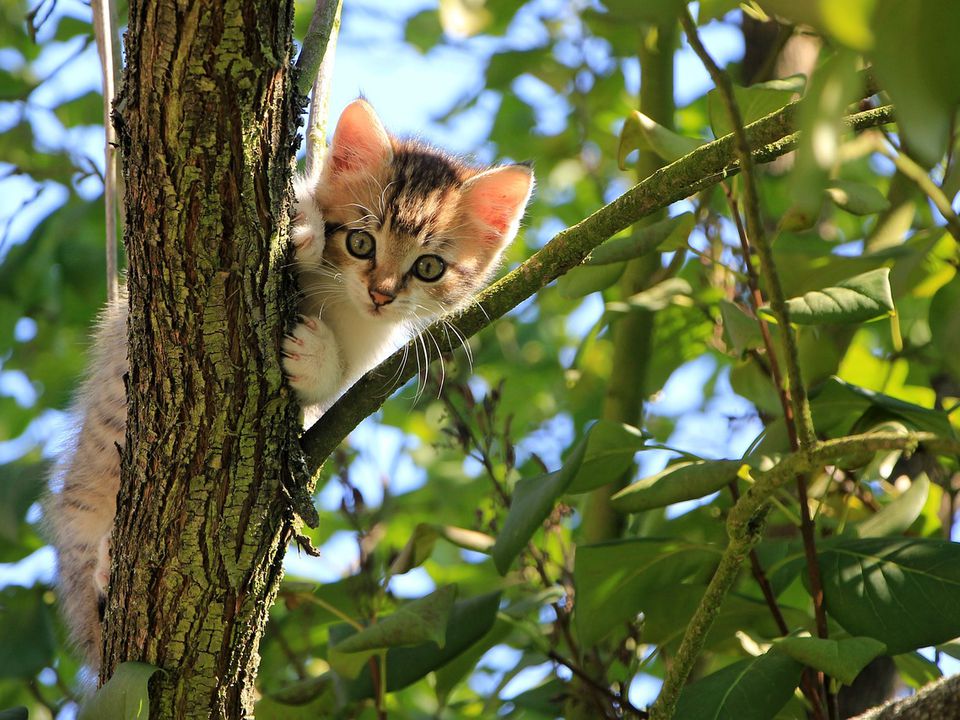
pixel 382 296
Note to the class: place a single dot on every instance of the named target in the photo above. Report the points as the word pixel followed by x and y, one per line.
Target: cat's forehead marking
pixel 421 183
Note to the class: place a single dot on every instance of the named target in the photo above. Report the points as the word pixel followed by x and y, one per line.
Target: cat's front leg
pixel 312 362
pixel 307 231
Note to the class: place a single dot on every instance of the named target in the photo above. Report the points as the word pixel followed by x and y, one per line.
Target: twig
pixel 704 167
pixel 320 42
pixel 745 524
pixel 804 435
pixel 105 30
pixel 617 698
pixel 756 299
pixel 905 164
pixel 326 15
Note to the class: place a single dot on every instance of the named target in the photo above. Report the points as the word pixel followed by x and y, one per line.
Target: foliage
pixel 509 450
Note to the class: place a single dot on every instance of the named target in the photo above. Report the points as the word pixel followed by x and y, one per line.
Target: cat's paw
pixel 311 361
pixel 307 232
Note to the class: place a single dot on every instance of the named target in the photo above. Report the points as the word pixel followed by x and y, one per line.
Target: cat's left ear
pixel 495 201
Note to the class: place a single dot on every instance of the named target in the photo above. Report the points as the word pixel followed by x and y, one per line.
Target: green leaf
pixel 21 485
pixel 641 133
pixel 742 331
pixel 585 279
pixel 125 696
pixel 755 102
pixel 610 450
pixel 469 622
pixel 915 73
pixel 422 620
pixel 84 110
pixel 645 240
pixel 664 293
pixel 916 670
pixel 15 85
pixel 857 198
pixel 676 483
pixel 842 659
pixel 751 689
pixel 900 514
pixel 614 580
pixel 423 30
pixel 533 499
pixel 855 300
pixel 905 592
pixel 839 407
pixel 945 324
pixel 17 713
pixel 26 633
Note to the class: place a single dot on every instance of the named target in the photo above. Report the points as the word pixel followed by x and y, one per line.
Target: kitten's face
pixel 412 232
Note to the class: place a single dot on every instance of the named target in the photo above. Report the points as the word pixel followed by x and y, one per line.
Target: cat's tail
pixel 80 508
pixel 80 601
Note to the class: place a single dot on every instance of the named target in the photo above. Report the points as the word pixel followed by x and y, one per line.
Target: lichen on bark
pixel 206 119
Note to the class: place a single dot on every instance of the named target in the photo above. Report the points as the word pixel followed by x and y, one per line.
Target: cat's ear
pixel 495 201
pixel 360 142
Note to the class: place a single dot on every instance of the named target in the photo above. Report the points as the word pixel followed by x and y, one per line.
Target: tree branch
pixel 324 24
pixel 745 526
pixel 940 699
pixel 800 424
pixel 773 135
pixel 105 31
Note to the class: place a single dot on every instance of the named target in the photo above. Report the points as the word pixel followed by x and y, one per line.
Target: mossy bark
pixel 206 119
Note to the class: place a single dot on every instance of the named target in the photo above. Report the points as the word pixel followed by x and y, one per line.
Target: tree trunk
pixel 206 119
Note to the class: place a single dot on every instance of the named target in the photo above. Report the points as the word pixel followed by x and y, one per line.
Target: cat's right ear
pixel 360 142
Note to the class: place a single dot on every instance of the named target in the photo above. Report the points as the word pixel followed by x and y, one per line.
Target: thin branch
pixel 105 25
pixel 323 25
pixel 704 167
pixel 324 31
pixel 745 524
pixel 804 435
pixel 616 698
pixel 757 234
pixel 918 175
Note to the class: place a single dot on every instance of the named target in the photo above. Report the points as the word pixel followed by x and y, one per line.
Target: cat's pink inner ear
pixel 360 142
pixel 496 199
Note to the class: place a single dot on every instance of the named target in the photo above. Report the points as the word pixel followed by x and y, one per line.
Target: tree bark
pixel 207 117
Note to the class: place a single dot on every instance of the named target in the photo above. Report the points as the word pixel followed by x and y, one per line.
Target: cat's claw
pixel 311 362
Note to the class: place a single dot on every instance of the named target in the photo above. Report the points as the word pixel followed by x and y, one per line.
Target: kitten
pixel 389 235
pixel 411 233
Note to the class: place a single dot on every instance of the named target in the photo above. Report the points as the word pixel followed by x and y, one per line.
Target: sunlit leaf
pixel 125 695
pixel 641 133
pixel 676 483
pixel 842 659
pixel 874 587
pixel 900 514
pixel 854 300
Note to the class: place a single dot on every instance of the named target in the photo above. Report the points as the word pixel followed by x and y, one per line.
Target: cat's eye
pixel 429 267
pixel 361 244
